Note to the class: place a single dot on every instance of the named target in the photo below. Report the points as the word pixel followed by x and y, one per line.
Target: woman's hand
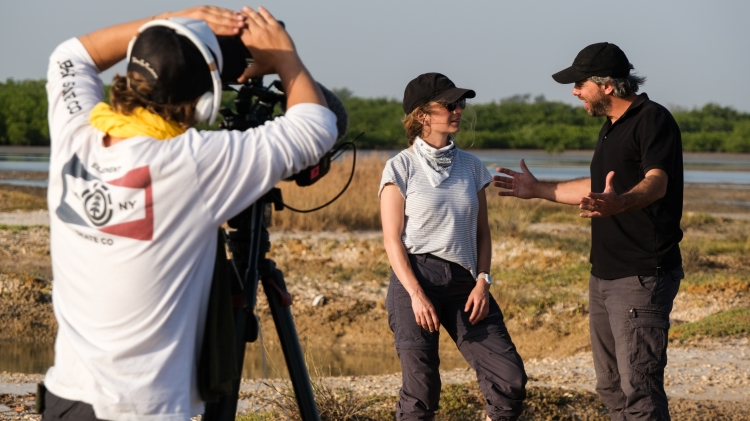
pixel 478 302
pixel 424 312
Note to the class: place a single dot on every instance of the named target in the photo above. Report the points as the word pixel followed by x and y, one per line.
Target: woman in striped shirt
pixel 437 237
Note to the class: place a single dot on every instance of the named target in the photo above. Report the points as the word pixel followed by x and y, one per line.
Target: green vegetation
pixel 4 227
pixel 515 122
pixel 726 323
pixel 714 128
pixel 518 122
pixel 23 113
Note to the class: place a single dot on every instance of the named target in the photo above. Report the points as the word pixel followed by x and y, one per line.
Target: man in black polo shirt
pixel 634 198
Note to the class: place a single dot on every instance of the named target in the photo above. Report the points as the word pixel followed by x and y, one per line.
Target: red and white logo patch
pixel 122 207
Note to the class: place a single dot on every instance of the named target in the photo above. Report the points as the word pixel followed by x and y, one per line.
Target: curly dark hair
pixel 124 101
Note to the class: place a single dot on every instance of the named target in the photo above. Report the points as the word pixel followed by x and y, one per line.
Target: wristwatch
pixel 486 276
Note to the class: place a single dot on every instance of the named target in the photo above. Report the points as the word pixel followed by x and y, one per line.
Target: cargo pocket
pixel 648 339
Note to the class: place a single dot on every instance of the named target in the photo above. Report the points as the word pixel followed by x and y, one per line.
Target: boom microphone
pixel 314 173
pixel 335 105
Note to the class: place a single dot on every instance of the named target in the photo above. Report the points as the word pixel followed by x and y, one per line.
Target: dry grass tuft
pixel 334 404
pixel 732 284
pixel 22 198
pixel 357 209
pixel 509 216
pixel 698 219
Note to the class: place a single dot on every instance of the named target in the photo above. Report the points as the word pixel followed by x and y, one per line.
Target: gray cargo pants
pixel 486 346
pixel 629 321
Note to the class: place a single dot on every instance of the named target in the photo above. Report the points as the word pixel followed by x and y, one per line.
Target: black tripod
pixel 249 245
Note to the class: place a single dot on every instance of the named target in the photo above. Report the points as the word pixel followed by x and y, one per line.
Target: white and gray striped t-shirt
pixel 439 220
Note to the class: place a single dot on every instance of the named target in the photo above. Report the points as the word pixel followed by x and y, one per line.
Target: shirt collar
pixel 639 100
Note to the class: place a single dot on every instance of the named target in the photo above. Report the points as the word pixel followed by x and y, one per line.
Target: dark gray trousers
pixel 58 409
pixel 629 321
pixel 486 346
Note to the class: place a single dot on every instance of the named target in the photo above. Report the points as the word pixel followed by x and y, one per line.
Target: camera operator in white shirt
pixel 136 194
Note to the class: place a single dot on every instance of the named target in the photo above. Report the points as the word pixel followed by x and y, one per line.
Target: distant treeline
pixel 519 122
pixel 23 113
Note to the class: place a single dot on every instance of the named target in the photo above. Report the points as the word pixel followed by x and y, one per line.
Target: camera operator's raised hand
pixel 274 52
pixel 222 21
pixel 109 45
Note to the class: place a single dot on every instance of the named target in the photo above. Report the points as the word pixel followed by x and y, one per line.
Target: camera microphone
pixel 337 107
pixel 314 173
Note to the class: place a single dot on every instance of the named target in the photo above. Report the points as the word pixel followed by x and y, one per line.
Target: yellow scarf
pixel 141 123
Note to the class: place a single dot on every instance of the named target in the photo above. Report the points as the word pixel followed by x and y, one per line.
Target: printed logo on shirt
pixel 98 204
pixel 122 207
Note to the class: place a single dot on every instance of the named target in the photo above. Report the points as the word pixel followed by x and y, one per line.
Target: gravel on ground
pixel 708 370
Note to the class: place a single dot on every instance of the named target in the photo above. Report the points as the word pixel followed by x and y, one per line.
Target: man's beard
pixel 600 105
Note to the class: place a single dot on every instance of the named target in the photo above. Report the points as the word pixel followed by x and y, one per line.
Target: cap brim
pixel 454 94
pixel 569 75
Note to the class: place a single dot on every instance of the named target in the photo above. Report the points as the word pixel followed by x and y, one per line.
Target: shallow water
pixel 31 183
pixel 31 358
pixel 540 172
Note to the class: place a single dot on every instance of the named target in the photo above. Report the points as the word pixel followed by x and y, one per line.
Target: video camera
pixel 256 104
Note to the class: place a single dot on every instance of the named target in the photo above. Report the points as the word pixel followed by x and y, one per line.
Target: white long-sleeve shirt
pixel 133 237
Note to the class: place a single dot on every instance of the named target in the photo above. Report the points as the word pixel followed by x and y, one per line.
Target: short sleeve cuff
pixel 390 177
pixel 658 167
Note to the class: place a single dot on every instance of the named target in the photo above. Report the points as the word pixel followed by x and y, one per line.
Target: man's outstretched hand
pixel 519 184
pixel 602 204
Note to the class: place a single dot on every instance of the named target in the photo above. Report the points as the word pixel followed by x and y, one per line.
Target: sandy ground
pixel 706 380
pixel 710 373
pixel 40 217
pixel 705 370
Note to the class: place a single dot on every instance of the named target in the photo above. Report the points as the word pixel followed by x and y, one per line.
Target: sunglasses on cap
pixel 451 106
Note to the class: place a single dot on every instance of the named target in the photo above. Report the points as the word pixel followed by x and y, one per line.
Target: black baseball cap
pixel 600 59
pixel 432 87
pixel 171 64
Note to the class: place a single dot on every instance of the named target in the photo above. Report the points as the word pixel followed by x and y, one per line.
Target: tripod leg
pixel 295 360
pixel 225 409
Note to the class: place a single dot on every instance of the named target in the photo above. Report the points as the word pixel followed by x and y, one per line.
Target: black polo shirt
pixel 643 241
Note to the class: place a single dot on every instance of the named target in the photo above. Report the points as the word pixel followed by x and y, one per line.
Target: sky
pixel 691 51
